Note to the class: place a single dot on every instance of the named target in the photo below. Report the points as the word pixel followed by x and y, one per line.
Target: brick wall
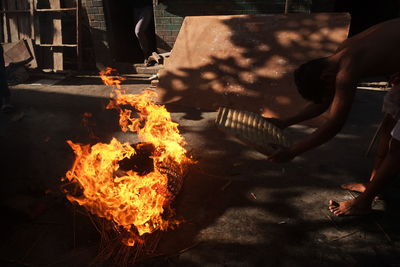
pixel 95 13
pixel 169 14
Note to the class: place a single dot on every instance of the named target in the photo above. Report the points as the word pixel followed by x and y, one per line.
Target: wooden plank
pixel 18 52
pixel 13 11
pixel 23 20
pixel 33 63
pixel 60 45
pixel 58 63
pixel 5 28
pixel 13 21
pixel 78 35
pixel 56 9
pixel 57 36
pixel 19 20
pixel 55 4
pixel 286 6
pixel 36 24
pixel 32 18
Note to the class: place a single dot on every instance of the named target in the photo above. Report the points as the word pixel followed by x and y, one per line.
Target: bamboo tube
pixel 252 129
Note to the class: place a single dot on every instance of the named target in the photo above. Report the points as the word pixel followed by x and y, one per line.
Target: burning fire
pixel 137 202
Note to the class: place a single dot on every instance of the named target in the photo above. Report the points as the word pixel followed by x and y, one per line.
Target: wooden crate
pixel 53 25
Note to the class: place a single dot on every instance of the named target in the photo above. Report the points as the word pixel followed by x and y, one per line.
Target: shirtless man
pixel 331 82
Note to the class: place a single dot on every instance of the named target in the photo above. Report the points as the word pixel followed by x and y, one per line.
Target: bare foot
pixel 357 187
pixel 350 207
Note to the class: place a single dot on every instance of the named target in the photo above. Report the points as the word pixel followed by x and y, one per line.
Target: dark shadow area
pixel 121 31
pixel 368 13
pixel 242 208
pixel 162 45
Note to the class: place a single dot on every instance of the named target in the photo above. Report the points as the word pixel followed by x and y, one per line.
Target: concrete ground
pixel 239 209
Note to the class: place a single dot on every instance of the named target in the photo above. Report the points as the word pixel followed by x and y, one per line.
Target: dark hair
pixel 308 79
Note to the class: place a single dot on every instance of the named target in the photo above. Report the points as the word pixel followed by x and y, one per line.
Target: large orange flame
pixel 137 203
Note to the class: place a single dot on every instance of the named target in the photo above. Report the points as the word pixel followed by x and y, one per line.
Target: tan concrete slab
pixel 246 61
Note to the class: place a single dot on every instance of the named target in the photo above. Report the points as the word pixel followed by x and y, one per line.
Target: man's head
pixel 315 81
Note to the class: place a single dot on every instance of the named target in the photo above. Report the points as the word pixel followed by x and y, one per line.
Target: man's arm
pixel 337 116
pixel 340 108
pixel 311 110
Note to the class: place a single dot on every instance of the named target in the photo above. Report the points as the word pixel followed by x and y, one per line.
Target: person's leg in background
pixel 391 109
pixel 143 17
pixel 387 171
pixel 386 167
pixel 382 149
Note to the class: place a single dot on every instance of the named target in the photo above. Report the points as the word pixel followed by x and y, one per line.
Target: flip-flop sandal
pixel 7 108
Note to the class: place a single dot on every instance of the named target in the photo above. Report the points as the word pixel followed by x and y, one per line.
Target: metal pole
pixel 286 6
pixel 374 138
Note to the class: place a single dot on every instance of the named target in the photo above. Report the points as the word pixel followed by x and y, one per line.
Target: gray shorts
pixel 391 105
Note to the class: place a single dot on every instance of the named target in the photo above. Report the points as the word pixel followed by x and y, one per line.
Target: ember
pixel 132 185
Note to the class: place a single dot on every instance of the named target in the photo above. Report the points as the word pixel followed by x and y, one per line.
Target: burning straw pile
pixel 129 187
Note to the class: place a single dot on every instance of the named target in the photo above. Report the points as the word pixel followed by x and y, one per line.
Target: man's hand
pixel 277 122
pixel 395 78
pixel 282 155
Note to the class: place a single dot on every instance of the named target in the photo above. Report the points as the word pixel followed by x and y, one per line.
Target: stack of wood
pixel 40 25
